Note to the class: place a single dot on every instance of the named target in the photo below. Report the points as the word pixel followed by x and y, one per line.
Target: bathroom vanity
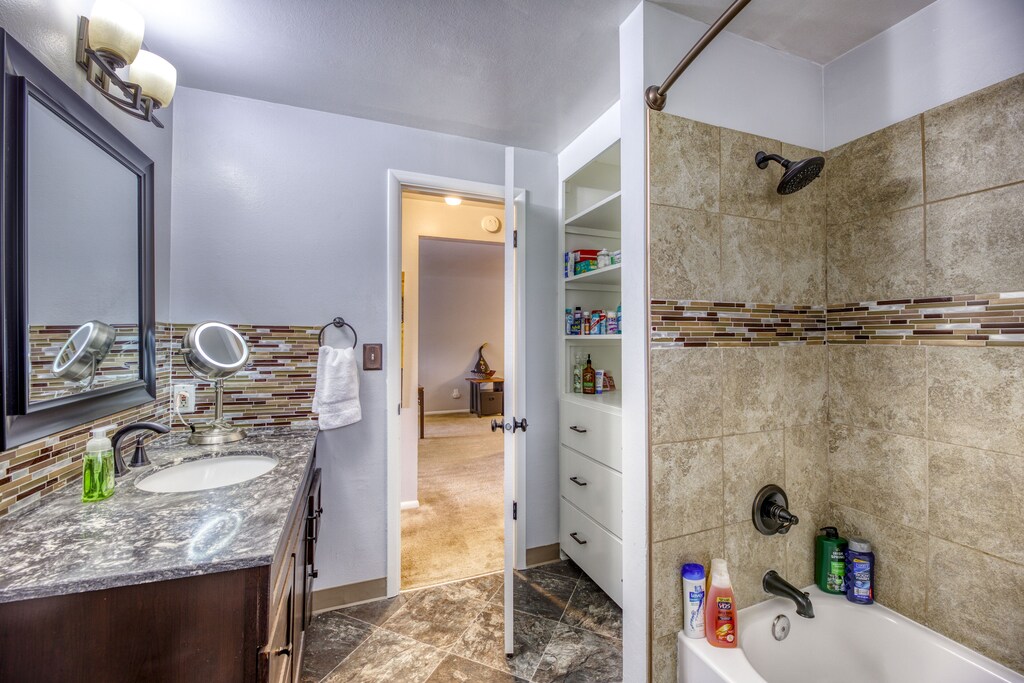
pixel 212 585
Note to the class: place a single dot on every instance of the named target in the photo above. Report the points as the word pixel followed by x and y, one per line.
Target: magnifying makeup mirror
pixel 213 352
pixel 83 352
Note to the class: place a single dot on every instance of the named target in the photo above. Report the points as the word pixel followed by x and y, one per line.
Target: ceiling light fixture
pixel 111 39
pixel 453 201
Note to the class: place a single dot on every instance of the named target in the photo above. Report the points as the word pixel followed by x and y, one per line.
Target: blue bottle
pixel 860 572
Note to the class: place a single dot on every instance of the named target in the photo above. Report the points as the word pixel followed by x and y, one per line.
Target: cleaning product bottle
pixel 860 572
pixel 589 378
pixel 577 374
pixel 830 560
pixel 720 613
pixel 693 600
pixel 98 467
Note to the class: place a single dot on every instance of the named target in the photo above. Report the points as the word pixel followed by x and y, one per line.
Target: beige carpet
pixel 458 529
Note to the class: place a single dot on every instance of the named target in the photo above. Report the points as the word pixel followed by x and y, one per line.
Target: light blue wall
pixel 280 217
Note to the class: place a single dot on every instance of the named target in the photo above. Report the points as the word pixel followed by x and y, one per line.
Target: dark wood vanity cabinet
pixel 228 626
pixel 291 583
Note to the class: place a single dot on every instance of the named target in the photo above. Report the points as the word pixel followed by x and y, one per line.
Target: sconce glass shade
pixel 155 75
pixel 116 28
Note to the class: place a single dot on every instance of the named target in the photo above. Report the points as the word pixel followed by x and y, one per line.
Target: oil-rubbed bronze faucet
pixel 776 585
pixel 139 458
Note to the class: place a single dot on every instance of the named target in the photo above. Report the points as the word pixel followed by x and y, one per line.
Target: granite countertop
pixel 64 546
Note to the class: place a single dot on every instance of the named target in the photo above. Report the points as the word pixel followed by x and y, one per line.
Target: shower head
pixel 798 175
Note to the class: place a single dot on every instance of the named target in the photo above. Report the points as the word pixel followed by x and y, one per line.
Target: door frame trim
pixel 397 179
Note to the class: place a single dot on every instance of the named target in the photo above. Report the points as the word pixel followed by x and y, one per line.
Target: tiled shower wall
pixel 738 365
pixel 926 363
pixel 906 425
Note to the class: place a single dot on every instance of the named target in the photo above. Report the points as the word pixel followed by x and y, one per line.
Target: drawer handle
pixel 577 538
pixel 283 651
pixel 578 430
pixel 577 481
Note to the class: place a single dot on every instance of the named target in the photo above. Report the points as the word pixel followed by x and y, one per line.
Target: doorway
pixel 452 524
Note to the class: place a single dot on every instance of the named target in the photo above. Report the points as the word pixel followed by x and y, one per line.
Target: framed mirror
pixel 77 229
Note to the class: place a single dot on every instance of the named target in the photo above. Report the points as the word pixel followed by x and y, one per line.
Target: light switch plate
pixel 373 356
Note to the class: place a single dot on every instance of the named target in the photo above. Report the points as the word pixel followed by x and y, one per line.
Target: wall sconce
pixel 111 39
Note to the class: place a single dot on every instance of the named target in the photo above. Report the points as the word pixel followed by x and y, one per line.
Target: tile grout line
pixel 345 658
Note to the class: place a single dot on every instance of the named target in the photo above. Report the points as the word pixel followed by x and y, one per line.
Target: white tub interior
pixel 844 643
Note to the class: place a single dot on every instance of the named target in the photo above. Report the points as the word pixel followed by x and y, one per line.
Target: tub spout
pixel 776 585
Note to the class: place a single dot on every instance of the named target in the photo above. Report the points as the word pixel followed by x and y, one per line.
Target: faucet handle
pixel 770 512
pixel 139 457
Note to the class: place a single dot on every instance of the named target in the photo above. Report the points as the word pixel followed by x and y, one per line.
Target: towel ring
pixel 339 322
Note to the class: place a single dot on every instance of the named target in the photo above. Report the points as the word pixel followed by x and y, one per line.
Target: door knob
pixel 497 426
pixel 519 424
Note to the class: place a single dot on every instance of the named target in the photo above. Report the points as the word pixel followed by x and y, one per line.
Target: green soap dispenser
pixel 98 467
pixel 830 560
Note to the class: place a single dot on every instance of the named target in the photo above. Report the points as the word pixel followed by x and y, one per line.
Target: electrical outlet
pixel 456 393
pixel 184 397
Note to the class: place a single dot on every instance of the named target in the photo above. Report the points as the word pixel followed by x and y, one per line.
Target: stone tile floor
pixel 566 629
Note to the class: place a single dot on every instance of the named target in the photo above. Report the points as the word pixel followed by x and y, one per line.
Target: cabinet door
pixel 282 638
pixel 314 515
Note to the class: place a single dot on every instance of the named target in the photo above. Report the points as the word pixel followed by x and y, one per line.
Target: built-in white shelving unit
pixel 590 426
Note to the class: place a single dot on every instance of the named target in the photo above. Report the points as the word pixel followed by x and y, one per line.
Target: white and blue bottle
pixel 693 600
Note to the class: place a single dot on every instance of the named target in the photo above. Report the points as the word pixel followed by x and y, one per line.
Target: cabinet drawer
pixel 594 549
pixel 592 487
pixel 593 432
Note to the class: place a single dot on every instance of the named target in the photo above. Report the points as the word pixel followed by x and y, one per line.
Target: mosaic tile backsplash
pixel 33 470
pixel 275 389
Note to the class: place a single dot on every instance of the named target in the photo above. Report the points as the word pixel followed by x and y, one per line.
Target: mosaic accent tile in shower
pixel 962 320
pixel 275 389
pixel 707 323
pixel 34 470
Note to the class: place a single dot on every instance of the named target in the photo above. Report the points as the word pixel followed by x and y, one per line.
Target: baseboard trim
pixel 340 596
pixel 541 554
pixel 410 504
pixel 446 412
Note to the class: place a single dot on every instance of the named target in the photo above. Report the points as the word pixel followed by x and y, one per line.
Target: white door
pixel 514 421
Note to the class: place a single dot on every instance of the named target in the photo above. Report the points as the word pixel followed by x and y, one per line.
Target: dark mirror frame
pixel 24 77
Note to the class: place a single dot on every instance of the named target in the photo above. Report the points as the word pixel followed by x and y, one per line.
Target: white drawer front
pixel 592 487
pixel 593 432
pixel 596 551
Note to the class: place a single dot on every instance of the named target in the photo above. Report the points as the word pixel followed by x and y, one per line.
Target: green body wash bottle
pixel 98 467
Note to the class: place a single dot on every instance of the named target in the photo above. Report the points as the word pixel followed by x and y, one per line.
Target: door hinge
pixel 515 239
pixel 399 408
pixel 515 510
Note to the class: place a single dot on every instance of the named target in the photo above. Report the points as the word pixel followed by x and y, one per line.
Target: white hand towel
pixel 336 399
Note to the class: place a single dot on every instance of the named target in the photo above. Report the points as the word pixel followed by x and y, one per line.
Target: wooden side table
pixel 483 403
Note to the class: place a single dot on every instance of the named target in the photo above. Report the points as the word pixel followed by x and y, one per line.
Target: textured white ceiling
pixel 818 30
pixel 530 73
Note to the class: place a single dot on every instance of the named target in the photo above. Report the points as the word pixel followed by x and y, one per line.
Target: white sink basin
pixel 207 473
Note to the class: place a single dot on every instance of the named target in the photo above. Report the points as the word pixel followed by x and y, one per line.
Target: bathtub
pixel 844 643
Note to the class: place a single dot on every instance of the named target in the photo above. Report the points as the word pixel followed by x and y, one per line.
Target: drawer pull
pixel 283 651
pixel 577 538
pixel 578 430
pixel 577 481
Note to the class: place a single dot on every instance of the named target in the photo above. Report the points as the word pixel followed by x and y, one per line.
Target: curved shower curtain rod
pixel 655 95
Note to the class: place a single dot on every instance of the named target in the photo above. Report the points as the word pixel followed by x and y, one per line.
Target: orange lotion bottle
pixel 720 613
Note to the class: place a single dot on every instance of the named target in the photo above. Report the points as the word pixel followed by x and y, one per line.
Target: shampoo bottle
pixel 860 572
pixel 589 378
pixel 98 467
pixel 720 620
pixel 577 374
pixel 693 600
pixel 830 560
